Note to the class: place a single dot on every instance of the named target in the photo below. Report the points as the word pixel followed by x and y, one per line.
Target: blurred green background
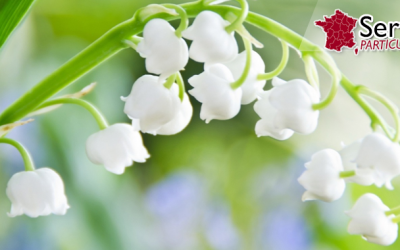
pixel 214 186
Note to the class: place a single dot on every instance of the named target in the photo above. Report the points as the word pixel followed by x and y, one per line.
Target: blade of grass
pixel 11 14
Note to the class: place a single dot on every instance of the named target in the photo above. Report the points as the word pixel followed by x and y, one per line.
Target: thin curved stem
pixel 387 103
pixel 241 18
pixel 281 66
pixel 346 174
pixel 395 210
pixel 100 119
pixel 246 70
pixel 311 71
pixel 133 41
pixel 170 81
pixel 184 18
pixel 26 156
pixel 181 84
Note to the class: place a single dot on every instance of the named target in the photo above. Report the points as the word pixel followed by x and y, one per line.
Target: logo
pixel 339 30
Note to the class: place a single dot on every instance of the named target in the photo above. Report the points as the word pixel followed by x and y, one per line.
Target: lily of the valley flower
pixel 252 87
pixel 165 53
pixel 363 176
pixel 37 193
pixel 368 219
pixel 151 105
pixel 180 121
pixel 379 155
pixel 211 42
pixel 116 147
pixel 213 89
pixel 287 107
pixel 322 178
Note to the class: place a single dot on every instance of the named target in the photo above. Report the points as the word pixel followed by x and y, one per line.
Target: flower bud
pixel 368 219
pixel 287 106
pixel 213 89
pixel 37 193
pixel 252 87
pixel 151 105
pixel 116 147
pixel 165 53
pixel 211 42
pixel 322 178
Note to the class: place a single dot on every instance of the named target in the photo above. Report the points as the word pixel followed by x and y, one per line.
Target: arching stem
pixel 29 165
pixel 246 70
pixel 281 66
pixel 100 119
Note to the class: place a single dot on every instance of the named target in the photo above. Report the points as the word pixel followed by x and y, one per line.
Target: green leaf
pixel 11 14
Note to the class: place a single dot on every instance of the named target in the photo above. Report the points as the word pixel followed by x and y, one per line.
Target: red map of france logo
pixel 339 29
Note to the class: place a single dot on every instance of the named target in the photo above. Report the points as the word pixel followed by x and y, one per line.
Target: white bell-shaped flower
pixel 368 219
pixel 180 121
pixel 380 155
pixel 213 89
pixel 252 87
pixel 322 178
pixel 363 176
pixel 211 42
pixel 287 106
pixel 165 53
pixel 116 147
pixel 37 193
pixel 151 104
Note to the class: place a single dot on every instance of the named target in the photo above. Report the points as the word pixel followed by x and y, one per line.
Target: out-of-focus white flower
pixel 165 53
pixel 322 178
pixel 213 89
pixel 363 176
pixel 251 87
pixel 380 155
pixel 287 107
pixel 37 193
pixel 368 219
pixel 151 105
pixel 116 147
pixel 180 121
pixel 211 42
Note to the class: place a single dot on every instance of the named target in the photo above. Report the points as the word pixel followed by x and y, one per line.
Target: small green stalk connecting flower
pixel 394 211
pixel 281 66
pixel 170 81
pixel 346 174
pixel 184 18
pixel 181 84
pixel 311 71
pixel 100 119
pixel 246 71
pixel 26 156
pixel 133 41
pixel 241 18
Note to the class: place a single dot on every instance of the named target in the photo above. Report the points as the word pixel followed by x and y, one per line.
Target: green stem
pixel 100 119
pixel 311 71
pixel 241 18
pixel 170 81
pixel 246 70
pixel 29 165
pixel 346 174
pixel 387 103
pixel 184 18
pixel 181 84
pixel 395 210
pixel 281 66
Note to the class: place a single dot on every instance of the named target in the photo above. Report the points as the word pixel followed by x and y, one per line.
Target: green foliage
pixel 11 14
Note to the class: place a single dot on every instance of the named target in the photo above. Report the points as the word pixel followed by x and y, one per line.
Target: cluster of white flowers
pixel 375 159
